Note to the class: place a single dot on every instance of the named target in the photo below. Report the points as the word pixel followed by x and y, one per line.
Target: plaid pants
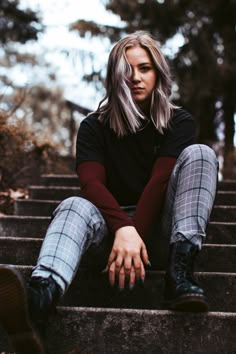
pixel 78 225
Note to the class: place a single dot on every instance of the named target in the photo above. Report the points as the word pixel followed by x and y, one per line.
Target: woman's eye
pixel 145 68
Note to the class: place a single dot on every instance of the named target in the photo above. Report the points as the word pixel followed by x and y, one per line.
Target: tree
pixel 28 115
pixel 17 25
pixel 40 105
pixel 205 66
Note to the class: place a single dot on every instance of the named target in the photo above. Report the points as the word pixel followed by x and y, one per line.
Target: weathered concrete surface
pixel 23 226
pixel 221 232
pixel 45 207
pixel 223 213
pixel 72 180
pixel 92 289
pixel 36 226
pixel 212 258
pixel 56 193
pixel 35 207
pixel 225 198
pixel 60 180
pixel 108 331
pixel 109 321
pixel 227 185
pixel 130 331
pixel 15 250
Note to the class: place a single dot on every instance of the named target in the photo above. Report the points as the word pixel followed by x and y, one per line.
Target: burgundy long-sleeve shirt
pixel 132 170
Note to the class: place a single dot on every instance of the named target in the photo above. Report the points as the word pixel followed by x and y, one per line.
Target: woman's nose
pixel 135 76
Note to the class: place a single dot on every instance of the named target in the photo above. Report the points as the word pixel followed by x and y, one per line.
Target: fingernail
pixel 121 289
pixel 142 280
pixel 131 286
pixel 149 264
pixel 104 270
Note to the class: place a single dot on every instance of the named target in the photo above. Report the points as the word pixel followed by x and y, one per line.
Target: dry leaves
pixel 8 197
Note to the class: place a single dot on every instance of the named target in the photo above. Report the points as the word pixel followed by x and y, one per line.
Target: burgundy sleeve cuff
pixel 152 199
pixel 92 178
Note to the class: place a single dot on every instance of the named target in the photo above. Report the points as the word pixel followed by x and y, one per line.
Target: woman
pixel 129 152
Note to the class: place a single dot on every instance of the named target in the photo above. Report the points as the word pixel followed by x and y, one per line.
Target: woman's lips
pixel 137 90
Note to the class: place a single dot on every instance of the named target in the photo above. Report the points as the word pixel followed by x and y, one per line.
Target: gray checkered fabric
pixel 77 224
pixel 190 195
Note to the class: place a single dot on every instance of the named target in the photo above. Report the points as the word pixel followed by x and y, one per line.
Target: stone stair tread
pixel 223 213
pixel 110 331
pixel 62 178
pixel 59 179
pixel 41 207
pixel 131 328
pixel 213 258
pixel 91 289
pixel 95 318
pixel 61 191
pixel 35 226
pixel 54 187
pixel 224 199
pixel 40 186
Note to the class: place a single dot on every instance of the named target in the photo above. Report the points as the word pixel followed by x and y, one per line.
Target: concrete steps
pixel 35 226
pixel 72 180
pixel 24 251
pixel 113 331
pixel 62 192
pixel 95 318
pixel 52 192
pixel 91 288
pixel 39 207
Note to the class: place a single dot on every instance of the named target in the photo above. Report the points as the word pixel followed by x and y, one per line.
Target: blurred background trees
pixel 40 105
pixel 17 25
pixel 29 115
pixel 203 67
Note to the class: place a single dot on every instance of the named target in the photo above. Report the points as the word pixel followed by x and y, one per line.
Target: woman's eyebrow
pixel 145 63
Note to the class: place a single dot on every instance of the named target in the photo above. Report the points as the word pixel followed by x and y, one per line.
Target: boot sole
pixel 14 314
pixel 189 303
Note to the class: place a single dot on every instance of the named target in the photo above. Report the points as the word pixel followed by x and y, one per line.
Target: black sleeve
pixel 90 142
pixel 179 135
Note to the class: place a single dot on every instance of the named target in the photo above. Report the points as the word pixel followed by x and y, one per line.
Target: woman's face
pixel 143 78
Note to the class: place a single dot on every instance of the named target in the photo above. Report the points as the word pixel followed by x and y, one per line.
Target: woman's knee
pixel 199 152
pixel 74 203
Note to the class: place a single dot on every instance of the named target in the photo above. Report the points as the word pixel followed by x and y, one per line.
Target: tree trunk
pixel 229 169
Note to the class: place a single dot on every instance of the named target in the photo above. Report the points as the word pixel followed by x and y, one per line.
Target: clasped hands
pixel 127 258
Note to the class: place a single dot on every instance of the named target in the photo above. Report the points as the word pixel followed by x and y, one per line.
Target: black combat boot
pixel 181 289
pixel 24 308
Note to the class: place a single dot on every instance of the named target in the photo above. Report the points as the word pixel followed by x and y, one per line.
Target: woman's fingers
pixel 143 273
pixel 111 259
pixel 126 272
pixel 127 266
pixel 112 274
pixel 119 262
pixel 126 262
pixel 132 278
pixel 137 262
pixel 144 254
pixel 122 278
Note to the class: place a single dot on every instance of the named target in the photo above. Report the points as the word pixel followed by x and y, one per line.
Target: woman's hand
pixel 127 257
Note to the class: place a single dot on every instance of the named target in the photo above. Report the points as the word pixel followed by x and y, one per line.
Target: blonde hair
pixel 118 107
